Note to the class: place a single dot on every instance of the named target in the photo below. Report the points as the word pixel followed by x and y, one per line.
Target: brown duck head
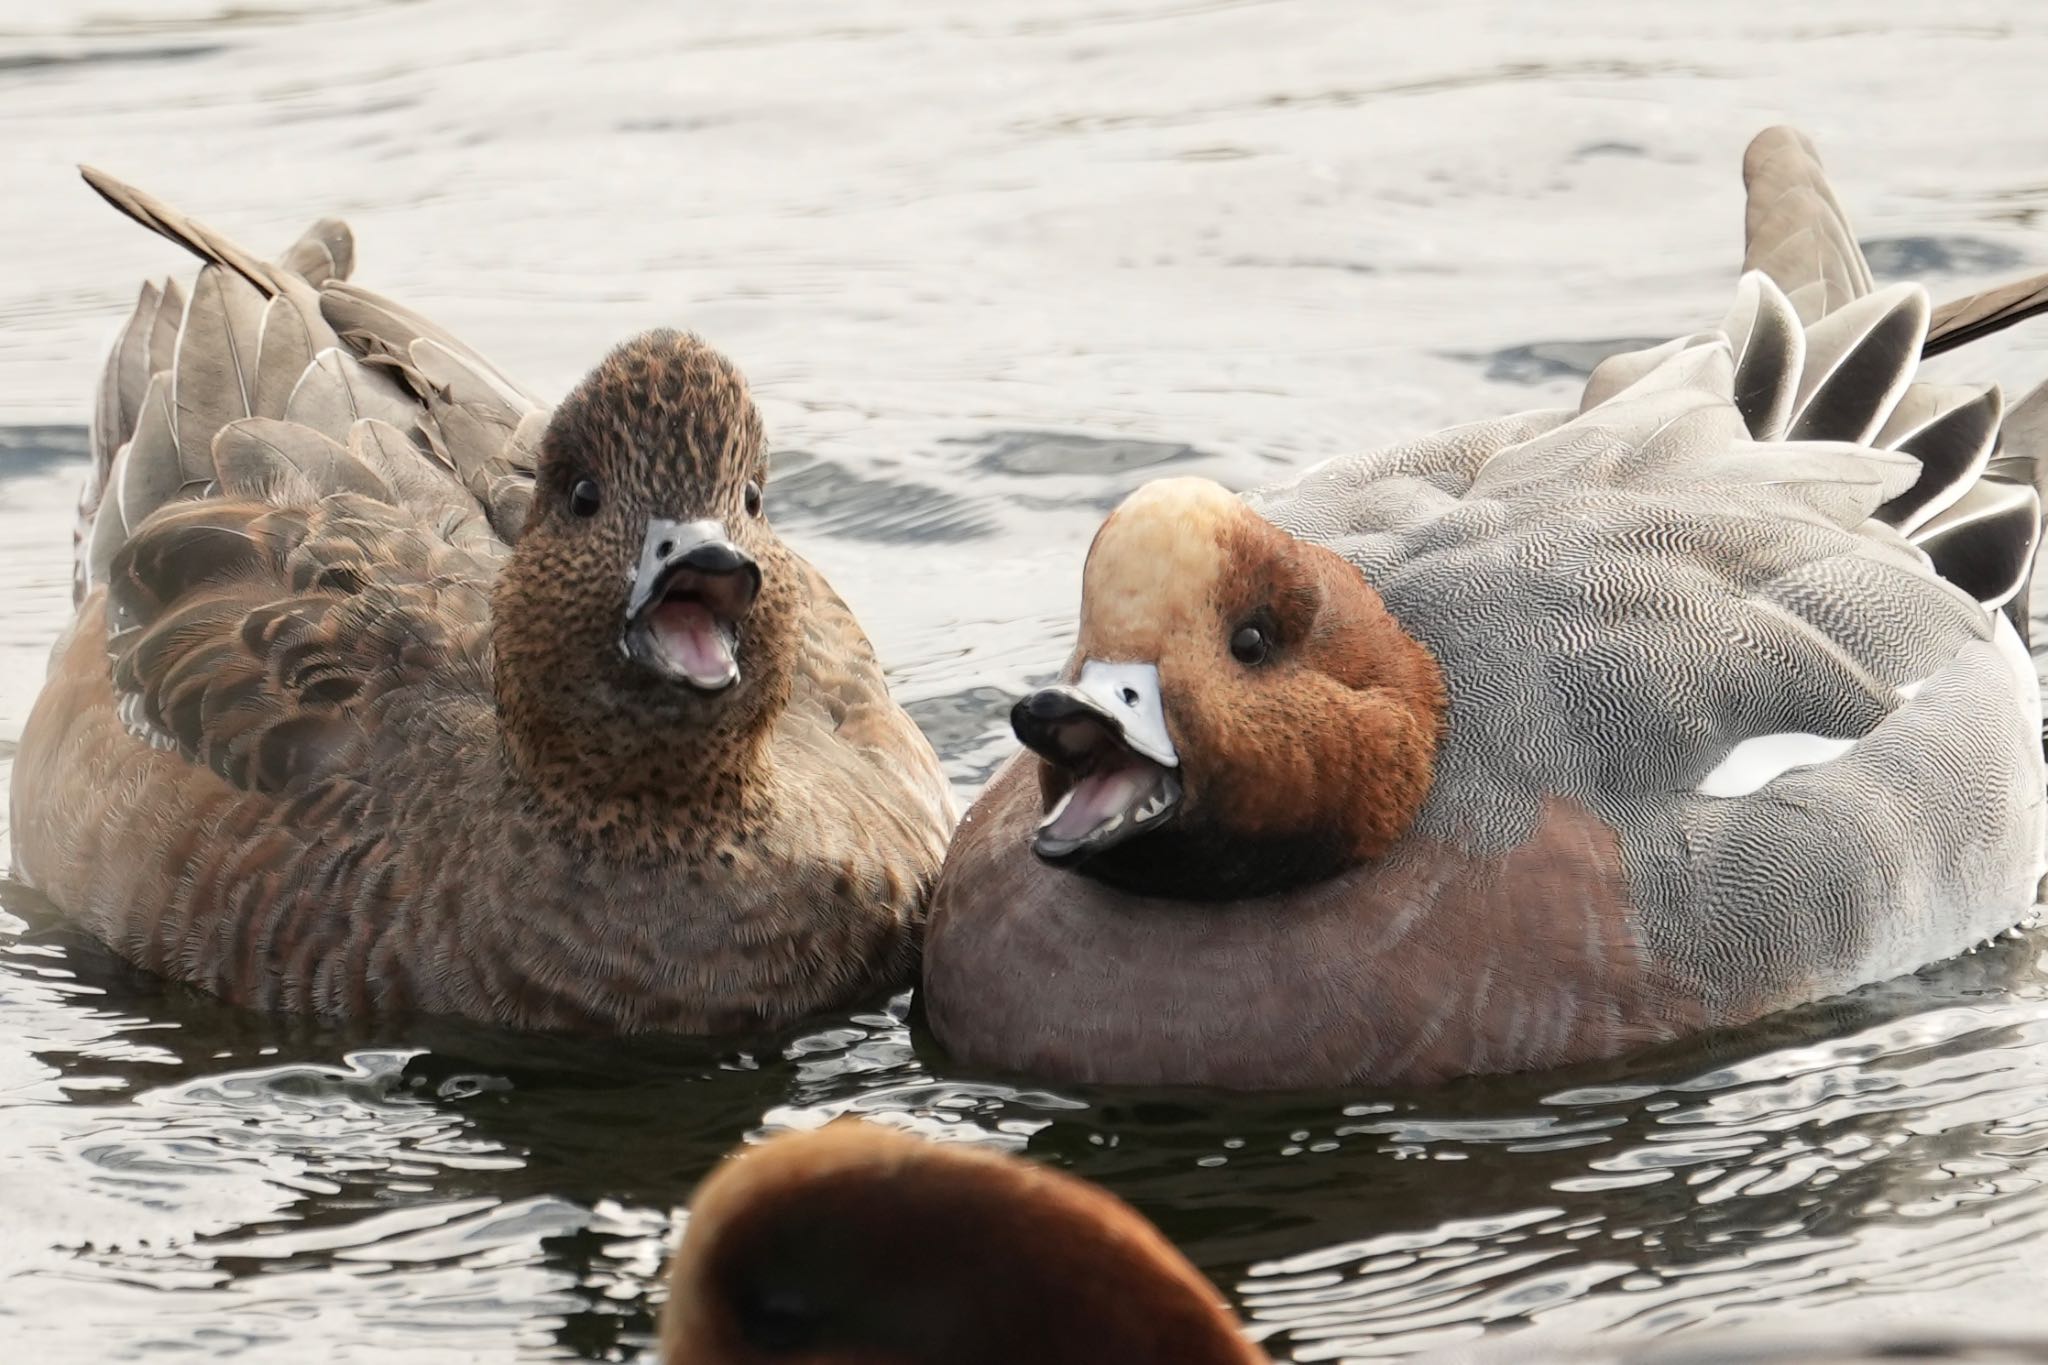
pixel 646 626
pixel 1241 713
pixel 854 1245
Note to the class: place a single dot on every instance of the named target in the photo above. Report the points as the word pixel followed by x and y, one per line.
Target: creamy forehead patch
pixel 1155 563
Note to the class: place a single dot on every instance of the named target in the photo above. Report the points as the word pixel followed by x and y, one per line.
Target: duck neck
pixel 617 769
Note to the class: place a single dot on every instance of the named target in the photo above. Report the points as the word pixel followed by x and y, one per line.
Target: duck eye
pixel 584 498
pixel 753 498
pixel 1249 645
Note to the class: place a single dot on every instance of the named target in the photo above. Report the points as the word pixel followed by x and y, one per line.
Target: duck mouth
pixel 1107 734
pixel 691 593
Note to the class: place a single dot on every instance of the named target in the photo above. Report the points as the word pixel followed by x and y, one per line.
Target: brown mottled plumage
pixel 855 1245
pixel 391 691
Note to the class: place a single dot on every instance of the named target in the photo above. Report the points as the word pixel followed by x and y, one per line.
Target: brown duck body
pixel 345 723
pixel 1427 964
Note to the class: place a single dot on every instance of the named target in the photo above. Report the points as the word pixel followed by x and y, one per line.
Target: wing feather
pixel 1770 354
pixel 1951 433
pixel 214 370
pixel 323 253
pixel 283 354
pixel 1794 230
pixel 1859 360
pixel 289 567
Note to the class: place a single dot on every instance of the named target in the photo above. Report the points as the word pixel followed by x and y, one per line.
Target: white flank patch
pixel 1754 762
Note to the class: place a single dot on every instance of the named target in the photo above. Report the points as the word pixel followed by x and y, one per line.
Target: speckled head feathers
pixel 664 419
pixel 646 628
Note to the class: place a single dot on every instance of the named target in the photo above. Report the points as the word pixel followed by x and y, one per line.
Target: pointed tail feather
pixel 270 279
pixel 1962 321
pixel 1793 228
pixel 200 240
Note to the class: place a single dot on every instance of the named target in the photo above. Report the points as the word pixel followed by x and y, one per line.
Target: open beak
pixel 691 591
pixel 1107 732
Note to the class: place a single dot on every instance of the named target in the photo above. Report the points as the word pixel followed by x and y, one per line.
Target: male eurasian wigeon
pixel 392 690
pixel 1541 739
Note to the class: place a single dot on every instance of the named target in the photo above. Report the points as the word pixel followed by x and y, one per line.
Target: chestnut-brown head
pixel 647 599
pixel 855 1245
pixel 1241 714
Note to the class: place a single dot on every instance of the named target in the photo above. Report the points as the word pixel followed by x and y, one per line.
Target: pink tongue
pixel 1100 796
pixel 693 643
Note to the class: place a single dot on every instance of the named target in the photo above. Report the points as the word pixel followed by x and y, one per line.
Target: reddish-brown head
pixel 855 1245
pixel 1241 713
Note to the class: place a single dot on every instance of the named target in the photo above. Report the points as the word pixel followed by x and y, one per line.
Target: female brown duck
pixel 391 691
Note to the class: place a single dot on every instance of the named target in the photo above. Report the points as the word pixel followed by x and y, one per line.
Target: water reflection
pixel 472 1183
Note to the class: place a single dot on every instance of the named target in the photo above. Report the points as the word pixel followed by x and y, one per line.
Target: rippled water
pixel 989 266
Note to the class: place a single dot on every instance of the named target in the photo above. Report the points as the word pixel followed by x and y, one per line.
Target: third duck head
pixel 1241 713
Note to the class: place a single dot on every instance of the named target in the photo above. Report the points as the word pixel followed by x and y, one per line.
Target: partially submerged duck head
pixel 1241 714
pixel 855 1245
pixel 647 591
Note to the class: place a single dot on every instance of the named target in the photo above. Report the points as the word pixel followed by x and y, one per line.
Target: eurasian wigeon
pixel 1538 740
pixel 391 689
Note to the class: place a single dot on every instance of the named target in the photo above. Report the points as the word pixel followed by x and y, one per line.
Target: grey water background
pixel 989 266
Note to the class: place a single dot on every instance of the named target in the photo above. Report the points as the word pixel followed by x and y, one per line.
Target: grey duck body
pixel 1739 715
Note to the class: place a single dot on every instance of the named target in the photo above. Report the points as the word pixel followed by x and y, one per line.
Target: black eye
pixel 1249 645
pixel 584 498
pixel 753 498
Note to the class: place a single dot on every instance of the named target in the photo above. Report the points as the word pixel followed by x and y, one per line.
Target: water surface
pixel 988 268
